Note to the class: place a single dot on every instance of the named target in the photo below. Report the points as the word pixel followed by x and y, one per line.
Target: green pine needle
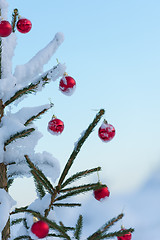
pixel 52 224
pixel 67 204
pixel 18 135
pixel 79 145
pixel 32 88
pixel 78 229
pixel 98 234
pixel 80 175
pixel 81 189
pixel 39 187
pixel 93 186
pixel 55 235
pixel 37 116
pixel 10 181
pixel 23 237
pixel 38 174
pixel 116 234
pixel 17 221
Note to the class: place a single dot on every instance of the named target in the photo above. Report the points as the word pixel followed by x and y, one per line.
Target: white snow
pixel 38 205
pixel 6 93
pixel 69 91
pixel 8 47
pixel 4 8
pixel 12 123
pixel 6 203
pixel 26 113
pixel 35 65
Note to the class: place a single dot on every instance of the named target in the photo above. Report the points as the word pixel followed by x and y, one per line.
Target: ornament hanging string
pixel 98 176
pixel 51 104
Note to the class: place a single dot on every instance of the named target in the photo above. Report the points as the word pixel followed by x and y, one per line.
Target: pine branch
pixel 39 187
pixel 79 145
pixel 10 181
pixel 17 210
pixel 17 221
pixel 103 229
pixel 54 235
pixel 117 233
pixel 78 229
pixel 66 228
pixel 93 185
pixel 31 88
pixel 25 223
pixel 14 19
pixel 21 134
pixel 52 224
pixel 67 204
pixel 38 115
pixel 23 237
pixel 39 179
pixel 81 190
pixel 38 174
pixel 80 175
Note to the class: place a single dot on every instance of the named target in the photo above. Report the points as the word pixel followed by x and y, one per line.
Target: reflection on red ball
pixel 67 85
pixel 106 132
pixel 101 193
pixel 55 126
pixel 40 229
pixel 24 25
pixel 5 28
pixel 127 236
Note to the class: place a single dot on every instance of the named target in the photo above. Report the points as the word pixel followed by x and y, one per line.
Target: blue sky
pixel 112 50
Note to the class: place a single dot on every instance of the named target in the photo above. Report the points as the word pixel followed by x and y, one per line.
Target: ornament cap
pixel 54 116
pixel 15 10
pixel 105 121
pixel 35 219
pixel 65 74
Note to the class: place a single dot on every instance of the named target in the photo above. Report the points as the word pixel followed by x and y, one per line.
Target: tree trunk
pixel 3 184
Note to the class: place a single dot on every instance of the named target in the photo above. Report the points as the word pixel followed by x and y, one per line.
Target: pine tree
pixel 19 136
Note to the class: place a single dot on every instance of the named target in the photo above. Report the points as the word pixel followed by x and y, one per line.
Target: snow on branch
pixel 35 65
pixel 21 134
pixel 4 7
pixel 26 115
pixel 21 90
pixel 6 203
pixel 8 47
pixel 43 161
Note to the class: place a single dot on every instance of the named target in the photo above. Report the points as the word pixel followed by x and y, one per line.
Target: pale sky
pixel 112 50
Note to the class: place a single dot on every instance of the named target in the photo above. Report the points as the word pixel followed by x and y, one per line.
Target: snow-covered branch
pixel 35 66
pixel 6 203
pixel 21 90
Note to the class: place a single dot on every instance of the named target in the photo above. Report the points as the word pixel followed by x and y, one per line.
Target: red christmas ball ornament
pixel 5 28
pixel 106 132
pixel 40 229
pixel 55 126
pixel 101 193
pixel 127 236
pixel 67 85
pixel 24 25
